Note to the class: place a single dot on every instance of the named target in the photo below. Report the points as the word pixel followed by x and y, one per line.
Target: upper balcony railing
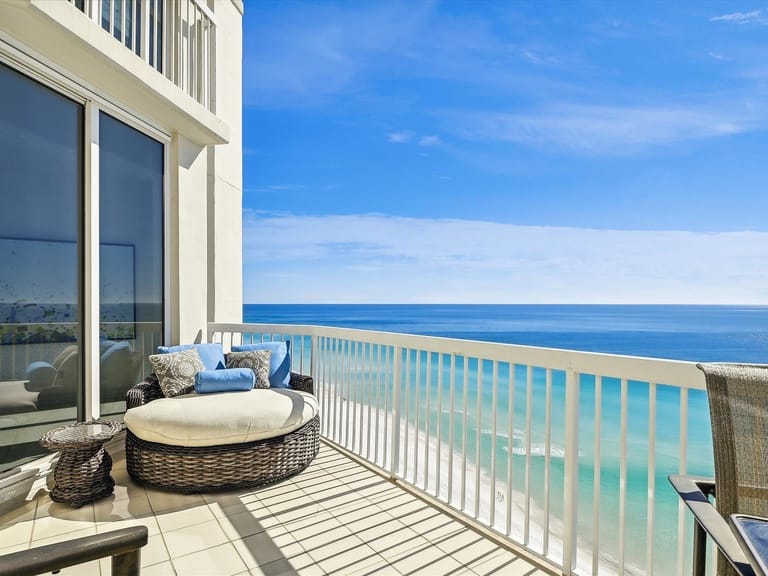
pixel 176 37
pixel 563 453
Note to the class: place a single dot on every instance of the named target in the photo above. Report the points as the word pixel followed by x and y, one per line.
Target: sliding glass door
pixel 131 256
pixel 41 190
pixel 45 279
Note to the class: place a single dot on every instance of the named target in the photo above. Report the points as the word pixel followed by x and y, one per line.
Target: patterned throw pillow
pixel 176 371
pixel 256 360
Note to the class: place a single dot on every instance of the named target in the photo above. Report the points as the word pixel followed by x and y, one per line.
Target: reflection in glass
pixel 131 256
pixel 41 143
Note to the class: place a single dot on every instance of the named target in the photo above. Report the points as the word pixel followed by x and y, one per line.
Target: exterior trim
pixel 43 71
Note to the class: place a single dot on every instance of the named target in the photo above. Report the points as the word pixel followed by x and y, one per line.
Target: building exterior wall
pixel 57 44
pixel 225 197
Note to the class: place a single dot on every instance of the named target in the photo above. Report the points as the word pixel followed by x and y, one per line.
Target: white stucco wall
pixel 225 198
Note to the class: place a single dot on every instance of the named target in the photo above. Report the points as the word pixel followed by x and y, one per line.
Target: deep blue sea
pixel 697 333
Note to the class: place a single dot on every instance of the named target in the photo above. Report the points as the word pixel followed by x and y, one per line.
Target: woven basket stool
pixel 82 473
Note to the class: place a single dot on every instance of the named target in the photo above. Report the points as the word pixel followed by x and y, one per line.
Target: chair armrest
pixel 302 383
pixel 695 492
pixel 143 392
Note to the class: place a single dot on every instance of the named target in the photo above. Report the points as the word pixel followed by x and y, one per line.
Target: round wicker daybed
pixel 180 463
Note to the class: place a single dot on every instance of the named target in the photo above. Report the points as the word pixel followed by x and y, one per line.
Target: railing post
pixel 570 512
pixel 394 453
pixel 127 564
pixel 146 30
pixel 314 368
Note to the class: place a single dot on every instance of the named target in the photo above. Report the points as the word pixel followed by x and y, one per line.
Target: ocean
pixel 692 333
pixel 695 333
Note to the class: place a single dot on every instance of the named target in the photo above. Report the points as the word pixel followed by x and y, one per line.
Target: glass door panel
pixel 41 144
pixel 131 257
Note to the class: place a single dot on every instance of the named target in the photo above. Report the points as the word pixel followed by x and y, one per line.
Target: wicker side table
pixel 82 473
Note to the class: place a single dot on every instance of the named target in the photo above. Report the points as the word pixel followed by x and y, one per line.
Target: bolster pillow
pixel 225 380
pixel 40 375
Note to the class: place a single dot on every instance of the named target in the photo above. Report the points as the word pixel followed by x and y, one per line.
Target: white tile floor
pixel 337 517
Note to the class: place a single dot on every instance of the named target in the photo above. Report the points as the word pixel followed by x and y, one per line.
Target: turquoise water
pixel 698 333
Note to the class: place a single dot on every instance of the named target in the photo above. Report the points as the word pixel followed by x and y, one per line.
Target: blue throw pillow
pixel 212 355
pixel 279 363
pixel 224 380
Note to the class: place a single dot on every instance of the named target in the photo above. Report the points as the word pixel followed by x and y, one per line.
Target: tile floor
pixel 336 517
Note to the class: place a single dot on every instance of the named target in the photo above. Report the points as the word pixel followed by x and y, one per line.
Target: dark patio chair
pixel 738 405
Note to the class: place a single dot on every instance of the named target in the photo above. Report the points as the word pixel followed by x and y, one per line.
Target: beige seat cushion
pixel 224 418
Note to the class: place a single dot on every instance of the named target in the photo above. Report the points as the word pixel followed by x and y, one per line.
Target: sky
pixel 505 152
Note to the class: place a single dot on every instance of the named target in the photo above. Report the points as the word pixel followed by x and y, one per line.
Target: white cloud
pixel 741 17
pixel 429 141
pixel 399 137
pixel 377 258
pixel 609 130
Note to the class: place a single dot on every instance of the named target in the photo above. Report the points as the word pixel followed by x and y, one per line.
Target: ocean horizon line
pixel 585 304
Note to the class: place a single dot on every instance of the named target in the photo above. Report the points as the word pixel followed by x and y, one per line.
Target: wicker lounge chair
pixel 221 467
pixel 738 402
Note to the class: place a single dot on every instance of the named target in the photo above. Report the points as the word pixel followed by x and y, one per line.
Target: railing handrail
pixel 683 373
pixel 123 545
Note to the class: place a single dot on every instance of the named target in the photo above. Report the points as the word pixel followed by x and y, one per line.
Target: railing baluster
pixel 361 387
pixel 427 411
pixel 683 469
pixel 369 380
pixel 465 412
pixel 623 475
pixel 378 402
pixel 571 500
pixel 417 393
pixel 348 406
pixel 354 393
pixel 478 435
pixel 547 460
pixel 510 442
pixel 439 431
pixel 395 447
pixel 387 396
pixel 338 388
pixel 495 411
pixel 596 475
pixel 651 477
pixel 528 431
pixel 407 410
pixel 451 427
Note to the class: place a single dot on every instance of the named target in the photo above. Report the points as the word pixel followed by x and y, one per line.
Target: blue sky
pixel 523 152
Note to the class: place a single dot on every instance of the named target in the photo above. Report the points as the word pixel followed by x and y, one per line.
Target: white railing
pixel 176 37
pixel 564 453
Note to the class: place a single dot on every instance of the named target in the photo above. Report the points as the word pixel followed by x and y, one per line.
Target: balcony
pixel 175 37
pixel 155 58
pixel 477 448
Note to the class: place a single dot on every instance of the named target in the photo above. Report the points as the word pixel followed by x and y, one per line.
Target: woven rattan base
pixel 81 474
pixel 223 467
